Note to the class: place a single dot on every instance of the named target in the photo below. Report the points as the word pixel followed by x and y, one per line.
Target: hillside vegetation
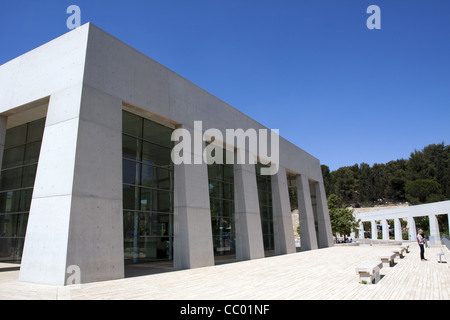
pixel 422 178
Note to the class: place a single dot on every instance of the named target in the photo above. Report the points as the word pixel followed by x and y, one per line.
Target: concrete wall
pixel 76 213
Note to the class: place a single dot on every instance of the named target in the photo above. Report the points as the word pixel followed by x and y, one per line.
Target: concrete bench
pixel 440 254
pixel 406 247
pixel 398 252
pixel 388 259
pixel 369 272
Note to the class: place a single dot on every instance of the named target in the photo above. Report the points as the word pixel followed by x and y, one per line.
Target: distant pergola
pixel 430 209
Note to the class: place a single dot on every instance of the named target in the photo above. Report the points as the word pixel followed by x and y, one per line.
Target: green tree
pixel 423 191
pixel 342 219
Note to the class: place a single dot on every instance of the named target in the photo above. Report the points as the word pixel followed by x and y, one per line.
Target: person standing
pixel 422 241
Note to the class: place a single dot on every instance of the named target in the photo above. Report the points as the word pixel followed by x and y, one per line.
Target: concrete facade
pixel 81 82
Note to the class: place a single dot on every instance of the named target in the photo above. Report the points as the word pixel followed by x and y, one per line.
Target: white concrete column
pixel 434 229
pixel 282 219
pixel 397 229
pixel 325 236
pixel 308 235
pixel 412 229
pixel 385 230
pixel 361 230
pixel 193 246
pixel 249 238
pixel 76 220
pixel 373 225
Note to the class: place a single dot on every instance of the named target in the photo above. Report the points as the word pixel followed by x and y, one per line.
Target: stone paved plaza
pixel 312 275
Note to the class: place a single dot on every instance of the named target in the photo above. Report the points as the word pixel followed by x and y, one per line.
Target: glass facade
pixel 19 165
pixel 312 189
pixel 221 198
pixel 264 186
pixel 147 190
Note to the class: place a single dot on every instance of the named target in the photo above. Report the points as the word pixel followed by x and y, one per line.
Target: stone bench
pixel 440 254
pixel 388 259
pixel 406 247
pixel 398 252
pixel 369 272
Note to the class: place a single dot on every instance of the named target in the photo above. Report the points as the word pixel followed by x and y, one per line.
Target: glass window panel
pixel 214 171
pixel 13 201
pixel 130 224
pixel 13 157
pixel 228 191
pixel 131 148
pixel 155 224
pixel 35 130
pixel 29 175
pixel 215 189
pixel 228 173
pixel 130 197
pixel 131 172
pixel 149 178
pixel 268 242
pixel 216 225
pixel 164 179
pixel 266 212
pixel 148 234
pixel 10 201
pixel 228 208
pixel 131 124
pixel 215 207
pixel 165 223
pixel 11 249
pixel 262 196
pixel 13 225
pixel 25 199
pixel 157 133
pixel 164 201
pixel 267 227
pixel 148 199
pixel 16 136
pixel 155 155
pixel 11 179
pixel 32 151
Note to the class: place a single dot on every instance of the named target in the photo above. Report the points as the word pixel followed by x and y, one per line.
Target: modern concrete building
pixel 87 179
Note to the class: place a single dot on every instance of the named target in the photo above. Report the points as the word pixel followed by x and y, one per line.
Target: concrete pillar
pixel 373 226
pixel 75 226
pixel 282 219
pixel 249 238
pixel 385 229
pixel 397 229
pixel 412 229
pixel 325 236
pixel 361 230
pixel 308 237
pixel 435 237
pixel 193 247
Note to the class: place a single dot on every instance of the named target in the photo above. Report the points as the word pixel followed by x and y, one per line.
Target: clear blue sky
pixel 310 68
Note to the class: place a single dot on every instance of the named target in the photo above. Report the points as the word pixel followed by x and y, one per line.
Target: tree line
pixel 422 178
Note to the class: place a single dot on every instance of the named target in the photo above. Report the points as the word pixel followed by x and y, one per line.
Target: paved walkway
pixel 313 275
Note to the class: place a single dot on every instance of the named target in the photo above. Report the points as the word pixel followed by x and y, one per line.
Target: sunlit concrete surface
pixel 327 273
